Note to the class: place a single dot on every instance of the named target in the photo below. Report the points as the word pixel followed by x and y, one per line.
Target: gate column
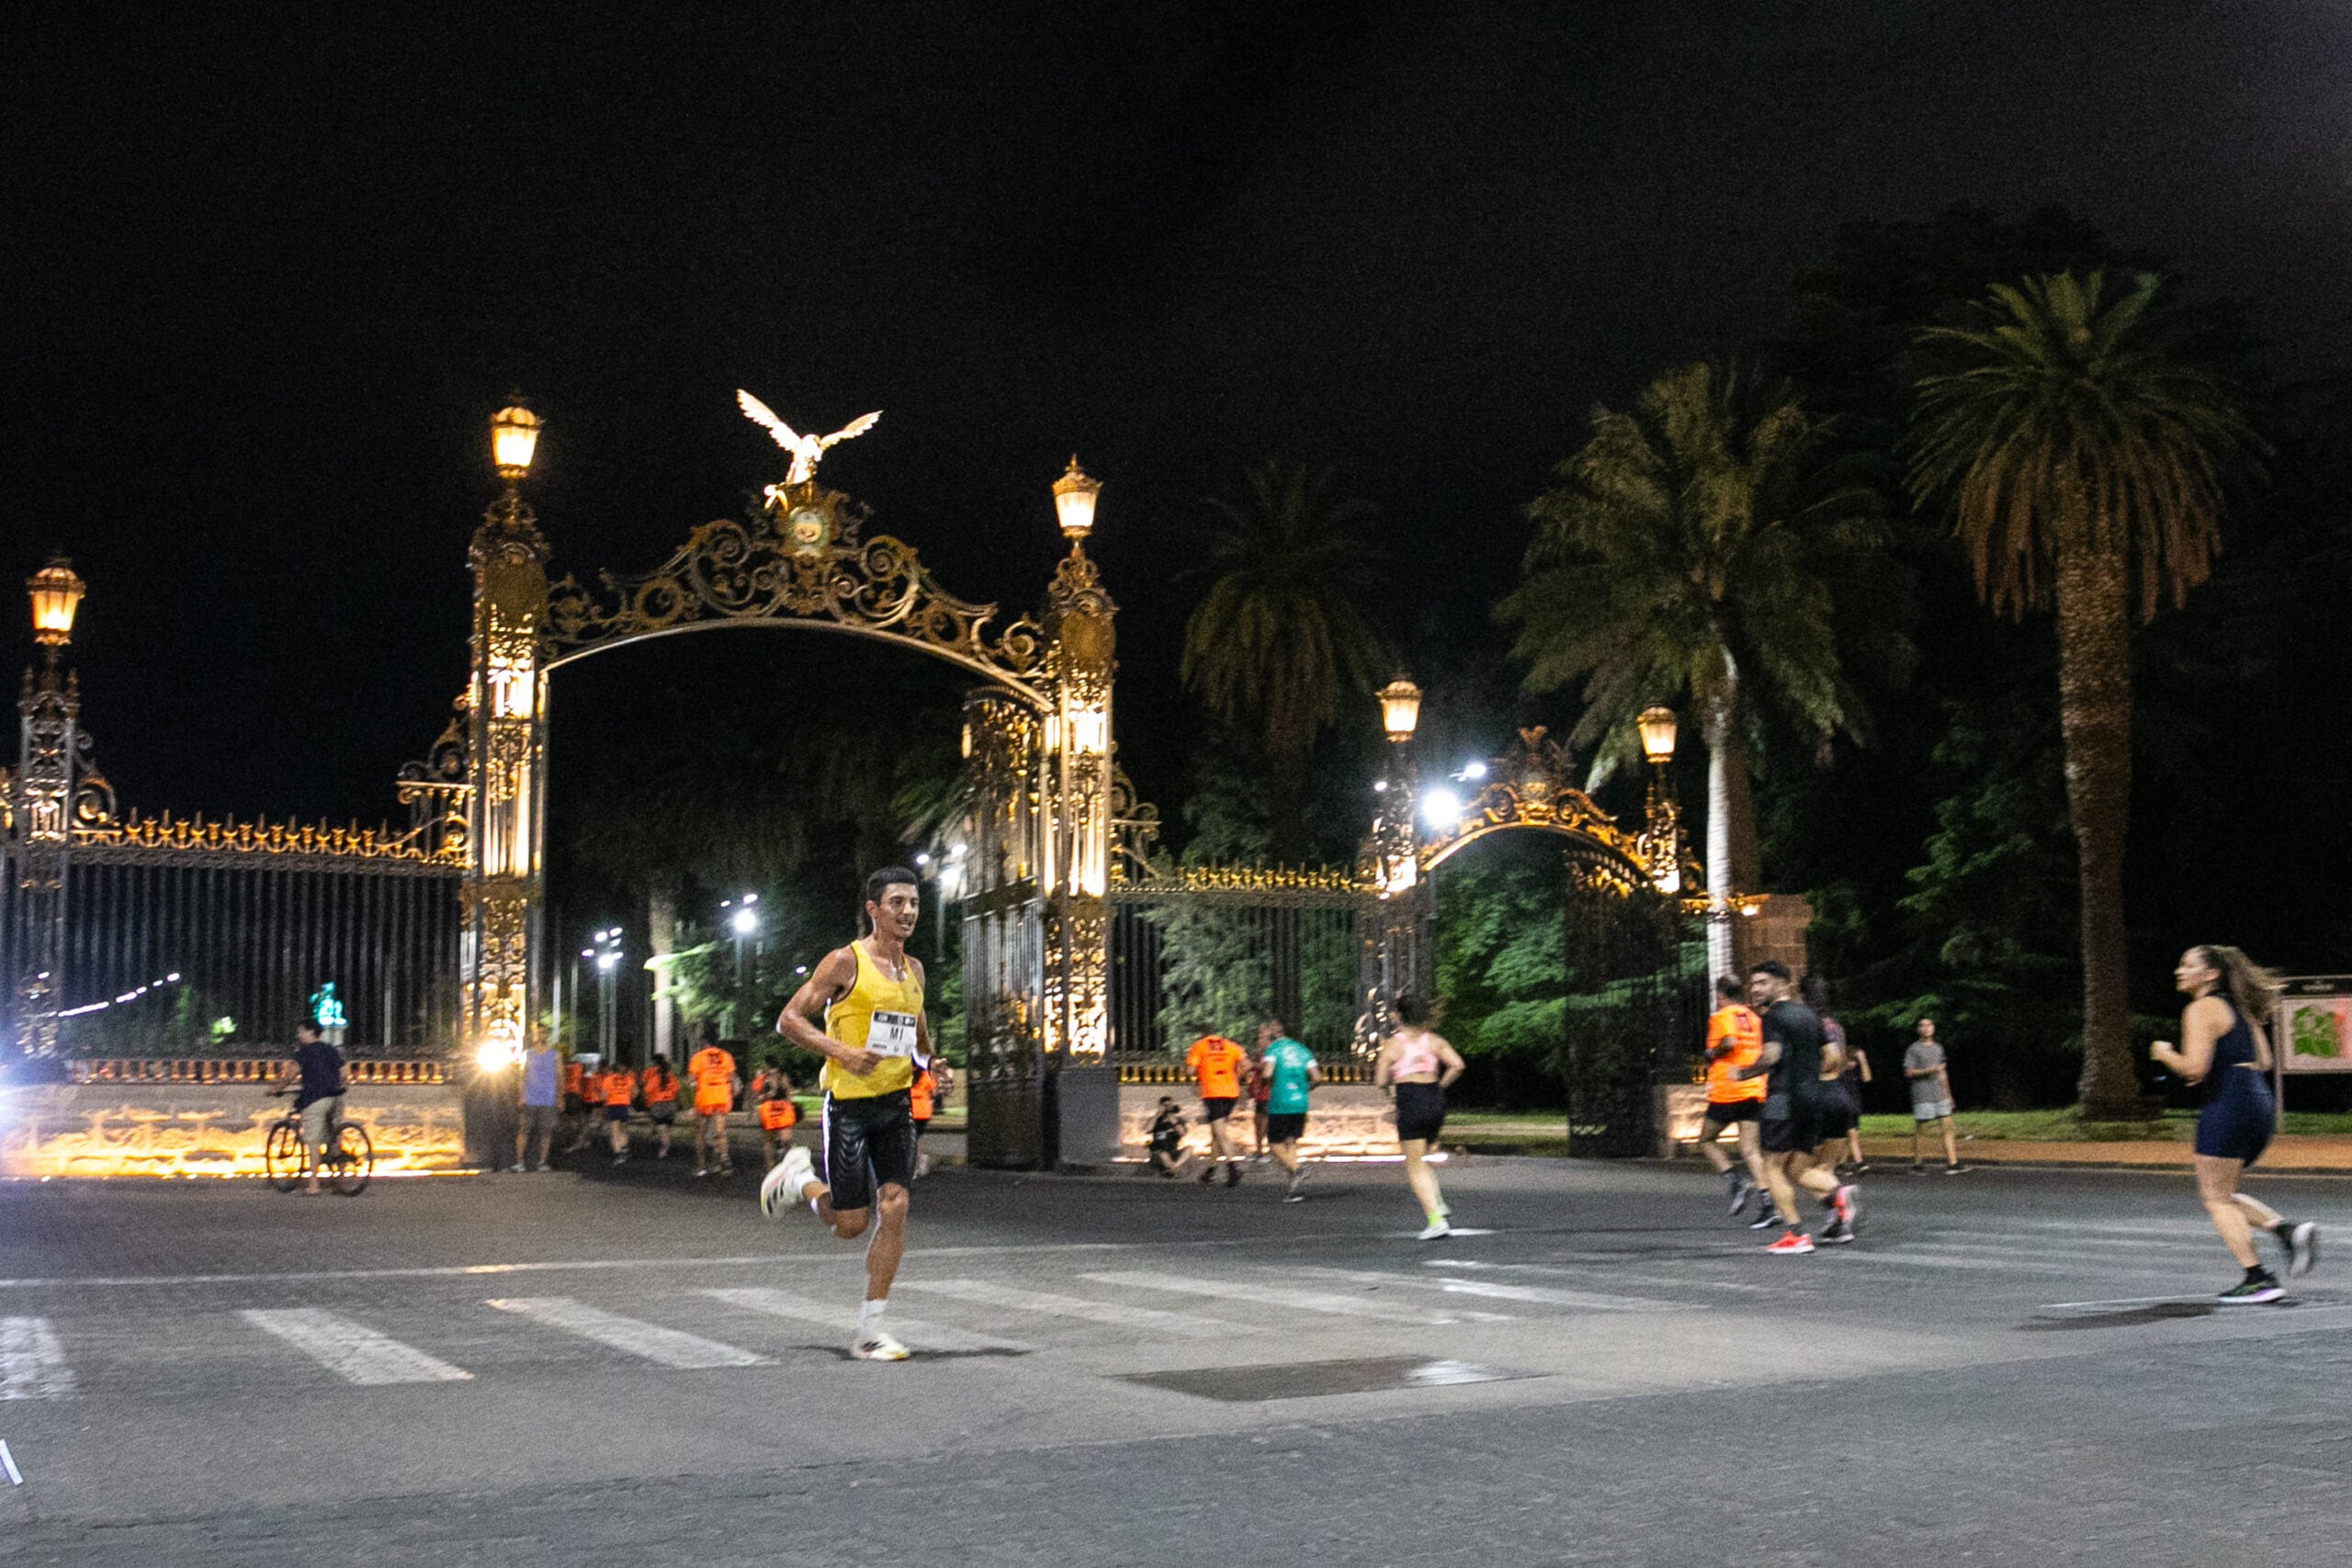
pixel 507 755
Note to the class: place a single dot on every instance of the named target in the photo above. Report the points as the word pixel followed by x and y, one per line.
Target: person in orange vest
pixel 583 1098
pixel 772 1095
pixel 619 1094
pixel 659 1087
pixel 712 1072
pixel 933 1081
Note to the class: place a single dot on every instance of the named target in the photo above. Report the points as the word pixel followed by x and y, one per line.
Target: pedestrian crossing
pixel 422 1337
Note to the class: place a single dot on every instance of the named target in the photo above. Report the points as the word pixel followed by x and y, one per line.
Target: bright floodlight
pixel 606 960
pixel 1473 770
pixel 1442 808
pixel 745 922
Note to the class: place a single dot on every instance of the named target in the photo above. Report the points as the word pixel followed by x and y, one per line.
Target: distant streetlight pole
pixel 608 962
pixel 745 923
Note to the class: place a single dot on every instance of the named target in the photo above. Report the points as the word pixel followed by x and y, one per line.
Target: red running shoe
pixel 1790 1244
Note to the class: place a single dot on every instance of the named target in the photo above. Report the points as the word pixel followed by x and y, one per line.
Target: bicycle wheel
pixel 282 1154
pixel 352 1161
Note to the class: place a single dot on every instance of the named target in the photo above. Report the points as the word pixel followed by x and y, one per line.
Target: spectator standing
pixel 542 1095
pixel 1923 1064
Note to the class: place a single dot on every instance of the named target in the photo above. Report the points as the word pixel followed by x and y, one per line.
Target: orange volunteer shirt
pixel 620 1087
pixel 661 1089
pixel 712 1072
pixel 1746 1032
pixel 1216 1063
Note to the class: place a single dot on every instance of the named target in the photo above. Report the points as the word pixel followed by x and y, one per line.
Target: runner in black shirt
pixel 1800 1111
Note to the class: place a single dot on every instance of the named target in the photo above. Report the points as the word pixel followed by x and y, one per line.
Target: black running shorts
pixel 869 1141
pixel 1286 1127
pixel 1217 1110
pixel 1810 1123
pixel 1723 1113
pixel 1421 1113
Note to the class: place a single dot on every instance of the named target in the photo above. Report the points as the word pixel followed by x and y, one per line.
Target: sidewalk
pixel 2299 1153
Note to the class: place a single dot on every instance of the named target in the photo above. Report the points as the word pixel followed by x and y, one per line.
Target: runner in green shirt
pixel 1293 1072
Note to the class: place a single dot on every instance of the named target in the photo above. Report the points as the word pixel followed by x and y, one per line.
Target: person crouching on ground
pixel 1167 1139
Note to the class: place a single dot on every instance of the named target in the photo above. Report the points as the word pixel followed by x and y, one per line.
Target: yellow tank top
pixel 881 1014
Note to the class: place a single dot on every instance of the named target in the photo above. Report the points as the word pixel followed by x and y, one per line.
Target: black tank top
pixel 2232 1053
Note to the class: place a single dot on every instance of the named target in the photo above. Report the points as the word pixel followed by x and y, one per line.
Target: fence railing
pixel 1168 1074
pixel 244 1069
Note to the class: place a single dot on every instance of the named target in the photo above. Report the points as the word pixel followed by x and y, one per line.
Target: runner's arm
pixel 828 983
pixel 1863 1060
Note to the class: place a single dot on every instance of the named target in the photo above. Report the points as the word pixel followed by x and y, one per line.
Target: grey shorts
pixel 317 1116
pixel 1931 1110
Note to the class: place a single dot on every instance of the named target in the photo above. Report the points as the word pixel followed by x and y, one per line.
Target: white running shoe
pixel 1441 1226
pixel 873 1345
pixel 781 1188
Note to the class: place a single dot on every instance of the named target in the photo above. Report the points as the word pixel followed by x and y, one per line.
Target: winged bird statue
pixel 806 450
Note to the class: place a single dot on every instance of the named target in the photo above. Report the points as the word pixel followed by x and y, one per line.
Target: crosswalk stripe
pixel 32 1362
pixel 1327 1301
pixel 784 1303
pixel 1117 1313
pixel 353 1351
pixel 664 1347
pixel 1494 1289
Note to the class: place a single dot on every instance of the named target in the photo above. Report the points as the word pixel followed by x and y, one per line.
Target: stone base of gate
pixel 1345 1122
pixel 188 1130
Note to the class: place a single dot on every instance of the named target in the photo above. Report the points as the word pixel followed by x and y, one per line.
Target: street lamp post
pixel 49 743
pixel 1397 854
pixel 1661 824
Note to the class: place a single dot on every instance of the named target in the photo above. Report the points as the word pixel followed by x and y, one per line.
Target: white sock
pixel 869 1317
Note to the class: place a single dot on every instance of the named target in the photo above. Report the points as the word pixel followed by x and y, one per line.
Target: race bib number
pixel 891 1034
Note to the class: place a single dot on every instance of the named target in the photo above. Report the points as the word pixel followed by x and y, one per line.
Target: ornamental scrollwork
pixel 801 557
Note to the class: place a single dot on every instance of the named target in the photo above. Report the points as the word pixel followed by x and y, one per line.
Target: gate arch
pixel 1037 744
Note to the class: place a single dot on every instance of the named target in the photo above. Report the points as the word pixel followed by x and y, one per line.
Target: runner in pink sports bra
pixel 1418 1066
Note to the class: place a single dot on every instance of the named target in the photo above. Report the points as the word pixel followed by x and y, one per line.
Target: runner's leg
pixel 1952 1147
pixel 1421 1178
pixel 1784 1193
pixel 1711 1133
pixel 2217 1181
pixel 1752 1149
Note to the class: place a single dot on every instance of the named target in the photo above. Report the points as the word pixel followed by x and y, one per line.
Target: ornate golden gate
pixel 1038 736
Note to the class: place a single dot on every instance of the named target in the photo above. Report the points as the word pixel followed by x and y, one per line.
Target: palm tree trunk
pixel 2095 717
pixel 1731 834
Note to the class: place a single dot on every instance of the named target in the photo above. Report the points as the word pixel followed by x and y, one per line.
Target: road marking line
pixel 783 1304
pixel 1670 1281
pixel 1540 1295
pixel 352 1351
pixel 1975 1265
pixel 664 1346
pixel 1114 1312
pixel 1327 1301
pixel 8 1462
pixel 32 1362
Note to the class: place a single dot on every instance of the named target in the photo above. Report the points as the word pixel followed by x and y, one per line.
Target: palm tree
pixel 2087 454
pixel 1285 630
pixel 1693 552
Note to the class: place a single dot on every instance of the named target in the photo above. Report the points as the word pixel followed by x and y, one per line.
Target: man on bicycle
pixel 319 1098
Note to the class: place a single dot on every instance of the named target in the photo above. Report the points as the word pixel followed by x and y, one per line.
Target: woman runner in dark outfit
pixel 2225 1047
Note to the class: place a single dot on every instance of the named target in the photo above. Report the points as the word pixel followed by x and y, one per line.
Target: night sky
pixel 268 278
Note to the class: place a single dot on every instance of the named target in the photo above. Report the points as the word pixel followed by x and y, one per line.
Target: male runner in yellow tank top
pixel 874 1037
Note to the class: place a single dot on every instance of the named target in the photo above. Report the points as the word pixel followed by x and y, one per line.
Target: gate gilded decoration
pixel 1037 742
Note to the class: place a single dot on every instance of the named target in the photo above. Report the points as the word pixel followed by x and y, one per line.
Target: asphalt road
pixel 633 1367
